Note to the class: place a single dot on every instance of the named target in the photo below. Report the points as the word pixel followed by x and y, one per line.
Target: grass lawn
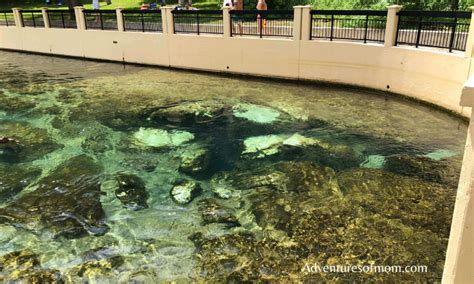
pixel 126 4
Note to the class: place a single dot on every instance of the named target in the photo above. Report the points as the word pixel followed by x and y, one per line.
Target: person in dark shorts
pixel 262 18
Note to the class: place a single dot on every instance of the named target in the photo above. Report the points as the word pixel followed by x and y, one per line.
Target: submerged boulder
pixel 189 113
pixel 65 203
pixel 14 179
pixel 256 113
pixel 442 171
pixel 184 191
pixel 283 176
pixel 157 138
pixel 15 104
pixel 213 212
pixel 194 161
pixel 24 143
pixel 295 146
pixel 131 192
pixel 25 267
pixel 97 262
pixel 413 201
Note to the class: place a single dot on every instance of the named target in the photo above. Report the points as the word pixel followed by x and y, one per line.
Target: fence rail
pixel 7 19
pixel 100 19
pixel 354 25
pixel 32 18
pixel 198 22
pixel 448 30
pixel 142 20
pixel 442 30
pixel 275 23
pixel 63 19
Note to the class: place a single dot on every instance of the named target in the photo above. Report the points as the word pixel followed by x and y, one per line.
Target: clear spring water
pixel 97 157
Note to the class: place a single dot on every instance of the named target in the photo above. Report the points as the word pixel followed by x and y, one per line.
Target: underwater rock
pixel 25 267
pixel 66 203
pixel 157 138
pixel 256 113
pixel 194 161
pixel 238 258
pixel 373 162
pixel 131 192
pixel 189 113
pixel 25 143
pixel 212 212
pixel 184 191
pixel 221 188
pixel 443 171
pixel 97 262
pixel 98 139
pixel 283 176
pixel 15 104
pixel 14 179
pixel 413 201
pixel 290 147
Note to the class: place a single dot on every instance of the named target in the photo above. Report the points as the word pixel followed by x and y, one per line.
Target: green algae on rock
pixel 25 267
pixel 157 138
pixel 66 202
pixel 184 191
pixel 256 113
pixel 13 179
pixel 34 143
pixel 195 161
pixel 131 192
pixel 212 212
pixel 188 113
pixel 440 171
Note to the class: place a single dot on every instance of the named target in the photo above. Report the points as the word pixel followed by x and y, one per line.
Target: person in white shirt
pixel 95 5
pixel 228 3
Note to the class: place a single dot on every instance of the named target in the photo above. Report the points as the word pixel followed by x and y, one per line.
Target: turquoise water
pixel 113 173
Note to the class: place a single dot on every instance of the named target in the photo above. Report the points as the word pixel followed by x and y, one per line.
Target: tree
pixel 73 3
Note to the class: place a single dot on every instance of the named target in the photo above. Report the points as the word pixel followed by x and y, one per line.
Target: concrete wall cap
pixel 467 96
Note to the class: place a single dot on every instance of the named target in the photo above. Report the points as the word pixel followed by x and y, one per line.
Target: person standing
pixel 262 18
pixel 95 5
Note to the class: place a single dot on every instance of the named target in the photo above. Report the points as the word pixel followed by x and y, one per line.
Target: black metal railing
pixel 32 18
pixel 62 19
pixel 100 19
pixel 357 25
pixel 198 21
pixel 274 23
pixel 142 20
pixel 7 19
pixel 447 30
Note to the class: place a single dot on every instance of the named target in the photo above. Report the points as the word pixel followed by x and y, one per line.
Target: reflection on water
pixel 113 173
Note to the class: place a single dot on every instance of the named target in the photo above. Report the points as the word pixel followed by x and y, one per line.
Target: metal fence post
pixel 120 23
pixel 391 28
pixel 418 33
pixel 80 19
pixel 453 34
pixel 332 27
pixel 366 28
pixel 46 21
pixel 306 23
pixel 18 18
pixel 197 22
pixel 470 38
pixel 227 21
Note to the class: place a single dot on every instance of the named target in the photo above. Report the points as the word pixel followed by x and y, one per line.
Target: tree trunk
pixel 73 3
pixel 454 5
